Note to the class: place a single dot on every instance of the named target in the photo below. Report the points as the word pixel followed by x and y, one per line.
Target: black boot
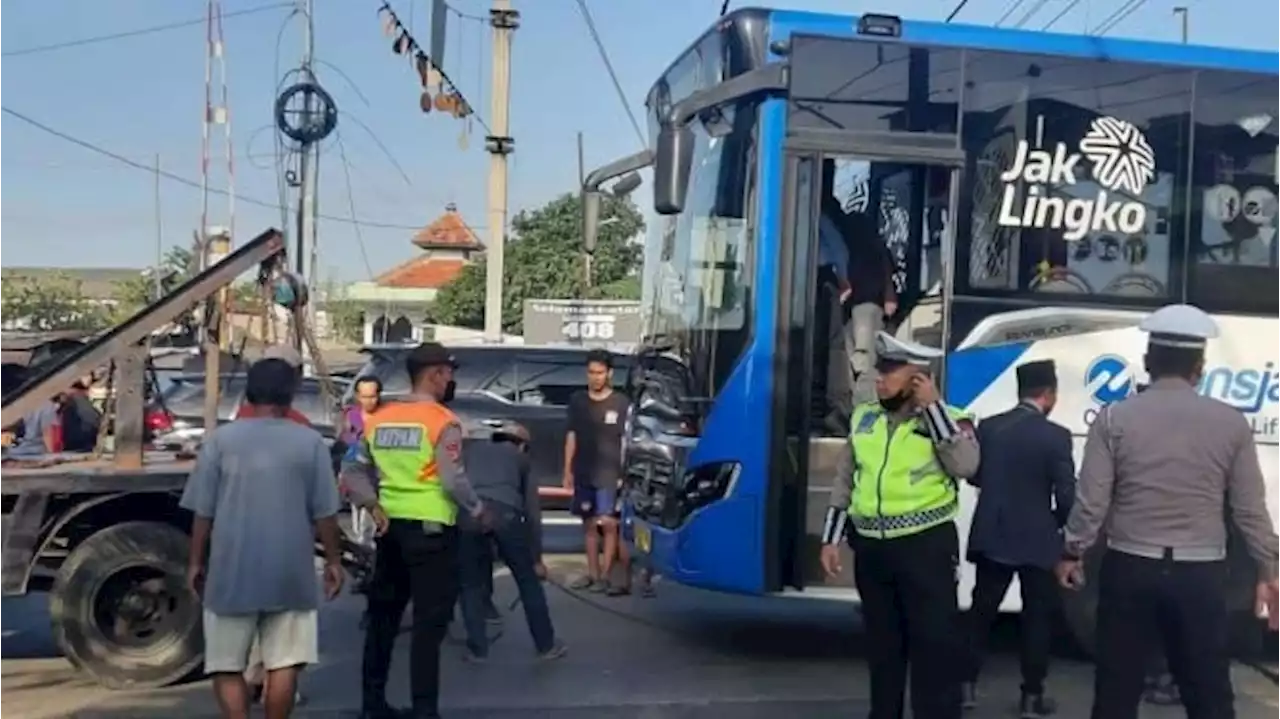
pixel 969 695
pixel 1034 706
pixel 386 711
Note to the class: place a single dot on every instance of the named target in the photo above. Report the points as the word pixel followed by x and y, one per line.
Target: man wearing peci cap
pixel 1027 482
pixel 897 489
pixel 414 449
pixel 1160 470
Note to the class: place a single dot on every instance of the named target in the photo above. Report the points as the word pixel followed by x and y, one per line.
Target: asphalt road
pixel 684 654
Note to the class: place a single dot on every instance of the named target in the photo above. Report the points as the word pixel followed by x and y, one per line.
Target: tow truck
pixel 102 533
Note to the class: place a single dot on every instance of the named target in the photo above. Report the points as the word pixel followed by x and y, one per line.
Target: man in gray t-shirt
pixel 261 491
pixel 35 430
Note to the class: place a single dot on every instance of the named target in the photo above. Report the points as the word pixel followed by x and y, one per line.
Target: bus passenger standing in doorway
pixel 593 468
pixel 897 487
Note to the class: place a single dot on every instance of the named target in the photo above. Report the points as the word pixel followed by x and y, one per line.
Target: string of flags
pixel 439 93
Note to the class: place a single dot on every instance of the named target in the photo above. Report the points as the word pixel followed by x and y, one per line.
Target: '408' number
pixel 578 330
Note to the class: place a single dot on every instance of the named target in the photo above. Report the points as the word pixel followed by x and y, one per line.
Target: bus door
pixel 887 210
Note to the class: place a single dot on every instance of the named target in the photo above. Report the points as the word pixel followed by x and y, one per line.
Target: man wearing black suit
pixel 1026 486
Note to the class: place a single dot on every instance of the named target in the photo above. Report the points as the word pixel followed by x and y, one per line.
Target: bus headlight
pixel 708 483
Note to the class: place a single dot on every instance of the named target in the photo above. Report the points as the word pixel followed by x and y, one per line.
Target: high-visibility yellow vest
pixel 402 441
pixel 899 488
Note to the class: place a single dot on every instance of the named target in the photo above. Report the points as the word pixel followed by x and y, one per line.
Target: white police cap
pixel 892 349
pixel 1182 326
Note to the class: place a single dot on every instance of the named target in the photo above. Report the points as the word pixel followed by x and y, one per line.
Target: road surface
pixel 684 654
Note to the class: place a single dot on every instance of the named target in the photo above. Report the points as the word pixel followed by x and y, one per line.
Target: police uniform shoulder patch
pixel 867 422
pixel 452 446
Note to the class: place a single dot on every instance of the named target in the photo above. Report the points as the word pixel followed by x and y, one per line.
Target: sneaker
pixel 647 591
pixel 471 657
pixel 581 583
pixel 969 696
pixel 556 651
pixel 598 587
pixel 1035 706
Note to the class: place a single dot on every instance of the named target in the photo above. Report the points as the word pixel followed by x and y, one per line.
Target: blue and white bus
pixel 1039 193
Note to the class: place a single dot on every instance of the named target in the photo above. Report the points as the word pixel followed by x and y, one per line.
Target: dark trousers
pixel 411 565
pixel 1143 603
pixel 1039 597
pixel 510 536
pixel 908 589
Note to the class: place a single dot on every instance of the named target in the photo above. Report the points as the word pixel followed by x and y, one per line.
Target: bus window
pixel 867 86
pixel 1077 166
pixel 1233 225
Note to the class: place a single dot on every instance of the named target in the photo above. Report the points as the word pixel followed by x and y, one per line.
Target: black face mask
pixel 894 403
pixel 449 390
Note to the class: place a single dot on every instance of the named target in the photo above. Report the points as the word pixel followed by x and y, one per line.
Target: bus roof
pixel 747 27
pixel 785 23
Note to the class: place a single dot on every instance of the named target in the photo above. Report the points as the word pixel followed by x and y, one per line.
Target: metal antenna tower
pixel 215 114
pixel 216 244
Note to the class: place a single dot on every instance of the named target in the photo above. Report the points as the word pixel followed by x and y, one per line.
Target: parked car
pixel 178 418
pixel 500 383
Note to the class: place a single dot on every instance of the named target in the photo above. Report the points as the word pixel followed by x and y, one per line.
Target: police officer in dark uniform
pixel 896 488
pixel 1158 469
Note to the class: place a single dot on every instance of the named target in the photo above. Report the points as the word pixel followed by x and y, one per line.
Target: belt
pixel 1175 554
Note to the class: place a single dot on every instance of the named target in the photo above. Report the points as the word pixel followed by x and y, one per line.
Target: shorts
pixel 590 501
pixel 234 642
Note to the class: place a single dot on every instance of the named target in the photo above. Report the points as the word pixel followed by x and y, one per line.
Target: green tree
pixel 177 266
pixel 50 304
pixel 544 260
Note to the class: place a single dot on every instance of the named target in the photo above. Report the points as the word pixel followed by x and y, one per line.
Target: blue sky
pixel 141 96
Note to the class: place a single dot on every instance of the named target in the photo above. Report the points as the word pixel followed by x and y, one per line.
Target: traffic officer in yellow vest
pixel 897 490
pixel 414 449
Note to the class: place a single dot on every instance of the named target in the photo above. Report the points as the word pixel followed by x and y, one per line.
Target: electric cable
pixel 1119 17
pixel 1061 14
pixel 150 169
pixel 956 10
pixel 1009 12
pixel 1026 17
pixel 381 146
pixel 351 203
pixel 613 76
pixel 139 32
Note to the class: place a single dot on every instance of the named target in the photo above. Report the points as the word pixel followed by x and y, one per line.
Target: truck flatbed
pixel 160 471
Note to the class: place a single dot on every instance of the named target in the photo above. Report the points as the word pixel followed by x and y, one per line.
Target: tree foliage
pixel 544 260
pixel 51 304
pixel 176 267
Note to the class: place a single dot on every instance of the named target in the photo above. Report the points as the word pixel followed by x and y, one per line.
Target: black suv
pixel 498 383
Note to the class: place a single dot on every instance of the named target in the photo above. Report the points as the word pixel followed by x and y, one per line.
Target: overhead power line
pixel 1061 14
pixel 140 31
pixel 956 10
pixel 613 76
pixel 1118 17
pixel 151 170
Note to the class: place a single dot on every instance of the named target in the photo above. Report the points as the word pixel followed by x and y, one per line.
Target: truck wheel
pixel 1080 607
pixel 121 609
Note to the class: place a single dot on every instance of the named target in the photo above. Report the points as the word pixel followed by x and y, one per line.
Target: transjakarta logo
pixel 1121 161
pixel 1253 391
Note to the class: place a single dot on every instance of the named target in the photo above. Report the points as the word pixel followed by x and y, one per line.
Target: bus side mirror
pixel 673 159
pixel 590 219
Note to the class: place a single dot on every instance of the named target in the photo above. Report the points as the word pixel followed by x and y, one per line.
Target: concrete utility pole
pixel 499 144
pixel 582 179
pixel 1184 12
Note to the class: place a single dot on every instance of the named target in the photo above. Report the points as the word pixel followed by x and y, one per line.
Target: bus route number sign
pixel 589 327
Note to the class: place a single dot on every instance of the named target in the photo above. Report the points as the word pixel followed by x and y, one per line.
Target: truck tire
pixel 121 609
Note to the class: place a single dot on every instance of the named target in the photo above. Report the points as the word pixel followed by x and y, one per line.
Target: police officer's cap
pixel 431 354
pixel 892 350
pixel 1182 326
pixel 1041 373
